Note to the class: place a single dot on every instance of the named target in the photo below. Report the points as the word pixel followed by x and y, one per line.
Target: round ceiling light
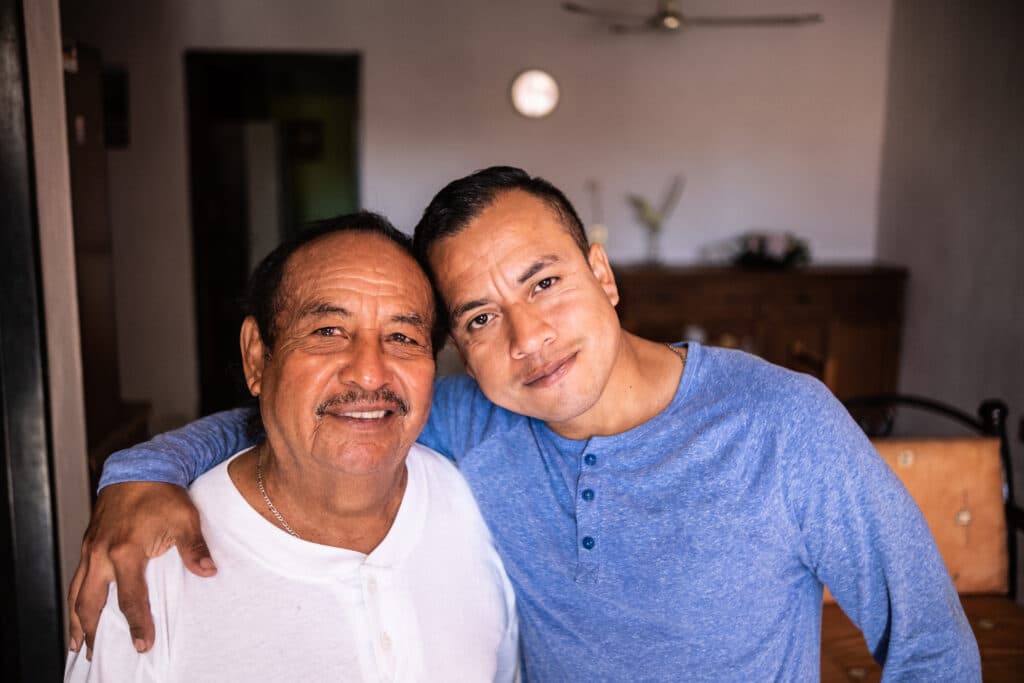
pixel 534 93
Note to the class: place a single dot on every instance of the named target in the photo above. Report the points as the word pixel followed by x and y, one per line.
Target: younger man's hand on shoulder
pixel 132 522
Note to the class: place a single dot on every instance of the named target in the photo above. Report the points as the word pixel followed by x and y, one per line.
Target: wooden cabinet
pixel 841 324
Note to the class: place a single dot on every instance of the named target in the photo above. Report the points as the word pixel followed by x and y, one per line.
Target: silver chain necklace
pixel 679 351
pixel 266 498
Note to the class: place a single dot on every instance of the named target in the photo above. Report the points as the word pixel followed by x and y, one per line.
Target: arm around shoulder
pixel 178 457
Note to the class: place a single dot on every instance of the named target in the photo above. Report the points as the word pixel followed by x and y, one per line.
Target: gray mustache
pixel 353 399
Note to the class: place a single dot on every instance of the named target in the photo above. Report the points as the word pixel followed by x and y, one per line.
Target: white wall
pixel 778 128
pixel 57 268
pixel 951 206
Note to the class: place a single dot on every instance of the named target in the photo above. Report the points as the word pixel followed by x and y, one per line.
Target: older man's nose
pixel 529 331
pixel 366 366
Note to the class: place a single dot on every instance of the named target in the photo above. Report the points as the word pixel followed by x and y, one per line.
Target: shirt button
pixel 385 642
pixel 588 494
pixel 590 459
pixel 371 585
pixel 588 542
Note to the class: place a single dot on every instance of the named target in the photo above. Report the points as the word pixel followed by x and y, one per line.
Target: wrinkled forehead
pixel 359 262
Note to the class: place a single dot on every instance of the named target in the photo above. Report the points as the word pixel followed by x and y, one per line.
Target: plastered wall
pixel 774 128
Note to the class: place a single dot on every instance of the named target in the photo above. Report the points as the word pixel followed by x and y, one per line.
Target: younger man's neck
pixel 643 383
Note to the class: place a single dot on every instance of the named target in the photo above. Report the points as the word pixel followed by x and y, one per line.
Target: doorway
pixel 31 646
pixel 273 144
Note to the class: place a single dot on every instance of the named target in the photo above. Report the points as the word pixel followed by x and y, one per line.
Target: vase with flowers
pixel 653 218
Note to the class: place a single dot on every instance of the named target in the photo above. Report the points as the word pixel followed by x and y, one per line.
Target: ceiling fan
pixel 668 18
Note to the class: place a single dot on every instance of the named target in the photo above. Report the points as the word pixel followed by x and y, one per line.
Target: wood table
pixel 997 622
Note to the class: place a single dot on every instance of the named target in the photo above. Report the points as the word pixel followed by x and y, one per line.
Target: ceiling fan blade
pixel 625 28
pixel 755 20
pixel 600 13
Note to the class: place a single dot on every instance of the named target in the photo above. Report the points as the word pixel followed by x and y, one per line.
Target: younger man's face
pixel 532 316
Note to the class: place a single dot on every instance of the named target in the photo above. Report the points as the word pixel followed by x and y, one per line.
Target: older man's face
pixel 350 379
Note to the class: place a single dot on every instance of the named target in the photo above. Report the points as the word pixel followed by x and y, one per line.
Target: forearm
pixel 179 456
pixel 926 633
pixel 866 539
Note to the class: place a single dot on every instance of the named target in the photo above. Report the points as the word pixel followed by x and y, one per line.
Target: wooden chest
pixel 839 323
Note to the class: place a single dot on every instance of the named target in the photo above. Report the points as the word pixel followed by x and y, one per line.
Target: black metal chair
pixel 997 621
pixel 876 415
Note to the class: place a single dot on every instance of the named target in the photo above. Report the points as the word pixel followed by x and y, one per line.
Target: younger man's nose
pixel 529 331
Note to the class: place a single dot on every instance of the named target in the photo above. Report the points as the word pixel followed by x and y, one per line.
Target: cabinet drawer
pixel 798 303
pixel 840 323
pixel 688 301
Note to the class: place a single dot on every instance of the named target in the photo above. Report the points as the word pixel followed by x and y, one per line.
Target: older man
pixel 664 513
pixel 345 550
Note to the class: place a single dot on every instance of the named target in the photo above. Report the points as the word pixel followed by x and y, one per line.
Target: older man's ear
pixel 253 354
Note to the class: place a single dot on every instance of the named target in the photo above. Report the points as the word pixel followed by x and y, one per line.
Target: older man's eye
pixel 327 331
pixel 404 339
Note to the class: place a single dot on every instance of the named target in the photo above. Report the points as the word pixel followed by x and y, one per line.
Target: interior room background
pixel 774 128
pixel 890 133
pixel 883 133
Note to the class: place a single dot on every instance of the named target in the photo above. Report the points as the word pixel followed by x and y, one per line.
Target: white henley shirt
pixel 430 603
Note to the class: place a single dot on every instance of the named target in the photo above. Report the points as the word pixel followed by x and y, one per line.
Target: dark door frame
pixel 31 635
pixel 227 87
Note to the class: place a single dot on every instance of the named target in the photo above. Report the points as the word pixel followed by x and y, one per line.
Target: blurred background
pixel 174 142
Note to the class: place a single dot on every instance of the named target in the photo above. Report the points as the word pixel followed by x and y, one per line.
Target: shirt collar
pixel 228 520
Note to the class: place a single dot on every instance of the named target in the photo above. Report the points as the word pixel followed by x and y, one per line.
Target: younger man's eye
pixel 479 321
pixel 546 282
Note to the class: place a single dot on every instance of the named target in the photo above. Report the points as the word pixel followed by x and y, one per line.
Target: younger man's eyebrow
pixel 462 309
pixel 534 268
pixel 537 266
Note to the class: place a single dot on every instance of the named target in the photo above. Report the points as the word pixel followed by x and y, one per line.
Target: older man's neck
pixel 355 513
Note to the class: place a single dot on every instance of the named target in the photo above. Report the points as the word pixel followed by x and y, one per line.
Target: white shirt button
pixel 385 642
pixel 371 585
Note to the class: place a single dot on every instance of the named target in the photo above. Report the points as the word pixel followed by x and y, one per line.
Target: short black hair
pixel 464 199
pixel 263 298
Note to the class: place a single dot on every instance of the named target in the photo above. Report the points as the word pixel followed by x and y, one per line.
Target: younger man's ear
pixel 254 355
pixel 598 260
